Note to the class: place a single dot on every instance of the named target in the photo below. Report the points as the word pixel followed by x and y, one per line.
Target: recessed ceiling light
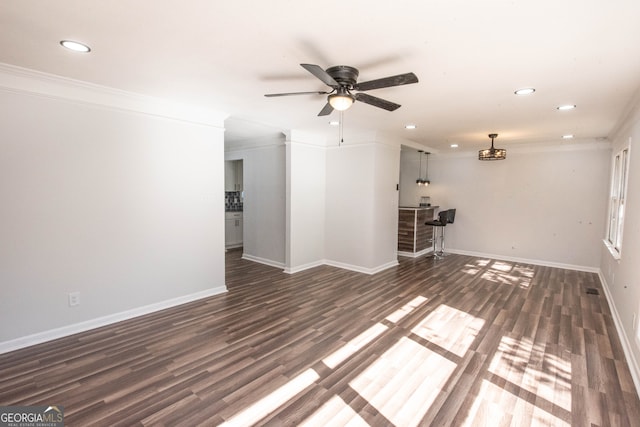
pixel 567 136
pixel 566 107
pixel 334 123
pixel 454 145
pixel 75 46
pixel 410 126
pixel 525 91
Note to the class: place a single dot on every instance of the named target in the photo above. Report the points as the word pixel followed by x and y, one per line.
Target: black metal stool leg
pixel 435 253
pixel 442 254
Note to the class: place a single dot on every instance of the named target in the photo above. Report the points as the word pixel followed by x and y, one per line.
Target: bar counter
pixel 414 237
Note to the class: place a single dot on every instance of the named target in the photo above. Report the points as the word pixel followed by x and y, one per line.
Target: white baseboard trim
pixel 415 254
pixel 342 265
pixel 292 270
pixel 75 328
pixel 263 261
pixel 359 269
pixel 525 260
pixel 453 251
pixel 634 367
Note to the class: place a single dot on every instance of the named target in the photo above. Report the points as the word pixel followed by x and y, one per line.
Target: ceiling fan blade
pixel 399 80
pixel 328 109
pixel 269 95
pixel 377 102
pixel 317 71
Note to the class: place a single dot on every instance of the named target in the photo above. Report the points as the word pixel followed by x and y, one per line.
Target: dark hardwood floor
pixel 458 341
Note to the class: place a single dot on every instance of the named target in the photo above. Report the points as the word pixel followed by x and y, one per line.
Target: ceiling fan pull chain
pixel 341 128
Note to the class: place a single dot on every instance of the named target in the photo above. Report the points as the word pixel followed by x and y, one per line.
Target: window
pixel 617 201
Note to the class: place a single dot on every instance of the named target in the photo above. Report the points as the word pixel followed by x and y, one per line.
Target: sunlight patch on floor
pixel 501 266
pixel 470 270
pixel 482 262
pixel 538 371
pixel 506 279
pixel 450 328
pixel 258 410
pixel 353 346
pixel 528 378
pixel 404 382
pixel 338 412
pixel 401 313
pixel 488 410
pixel 357 343
pixel 501 272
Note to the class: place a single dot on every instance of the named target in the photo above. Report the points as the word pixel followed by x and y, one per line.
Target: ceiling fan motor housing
pixel 344 75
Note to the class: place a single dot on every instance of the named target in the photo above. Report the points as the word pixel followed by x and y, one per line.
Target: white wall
pixel 350 200
pixel 410 193
pixel 264 200
pixel 385 206
pixel 305 201
pixel 546 204
pixel 122 206
pixel 622 277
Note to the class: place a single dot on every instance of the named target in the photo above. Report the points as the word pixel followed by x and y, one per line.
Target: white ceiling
pixel 470 56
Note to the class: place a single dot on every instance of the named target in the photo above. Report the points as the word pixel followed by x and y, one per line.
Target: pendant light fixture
pixel 426 181
pixel 421 181
pixel 492 153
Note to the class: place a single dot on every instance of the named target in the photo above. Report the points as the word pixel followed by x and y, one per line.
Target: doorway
pixel 234 203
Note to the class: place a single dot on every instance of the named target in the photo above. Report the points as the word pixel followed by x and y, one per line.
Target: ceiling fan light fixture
pixel 492 153
pixel 341 101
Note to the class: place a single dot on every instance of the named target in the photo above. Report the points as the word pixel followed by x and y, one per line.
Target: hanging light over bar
pixel 492 153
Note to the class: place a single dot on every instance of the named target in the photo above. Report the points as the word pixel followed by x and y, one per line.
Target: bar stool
pixel 444 217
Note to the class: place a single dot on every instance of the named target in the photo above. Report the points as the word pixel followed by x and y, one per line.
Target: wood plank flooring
pixel 460 341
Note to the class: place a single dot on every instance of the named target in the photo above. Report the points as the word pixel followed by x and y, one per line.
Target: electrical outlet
pixel 74 299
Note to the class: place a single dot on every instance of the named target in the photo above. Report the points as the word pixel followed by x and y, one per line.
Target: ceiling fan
pixel 343 79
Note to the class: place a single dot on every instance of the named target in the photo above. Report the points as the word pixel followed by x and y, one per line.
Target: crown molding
pixel 255 143
pixel 630 116
pixel 588 144
pixel 301 137
pixel 23 80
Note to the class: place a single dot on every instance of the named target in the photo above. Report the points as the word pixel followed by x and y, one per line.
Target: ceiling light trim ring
pixel 75 46
pixel 525 91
